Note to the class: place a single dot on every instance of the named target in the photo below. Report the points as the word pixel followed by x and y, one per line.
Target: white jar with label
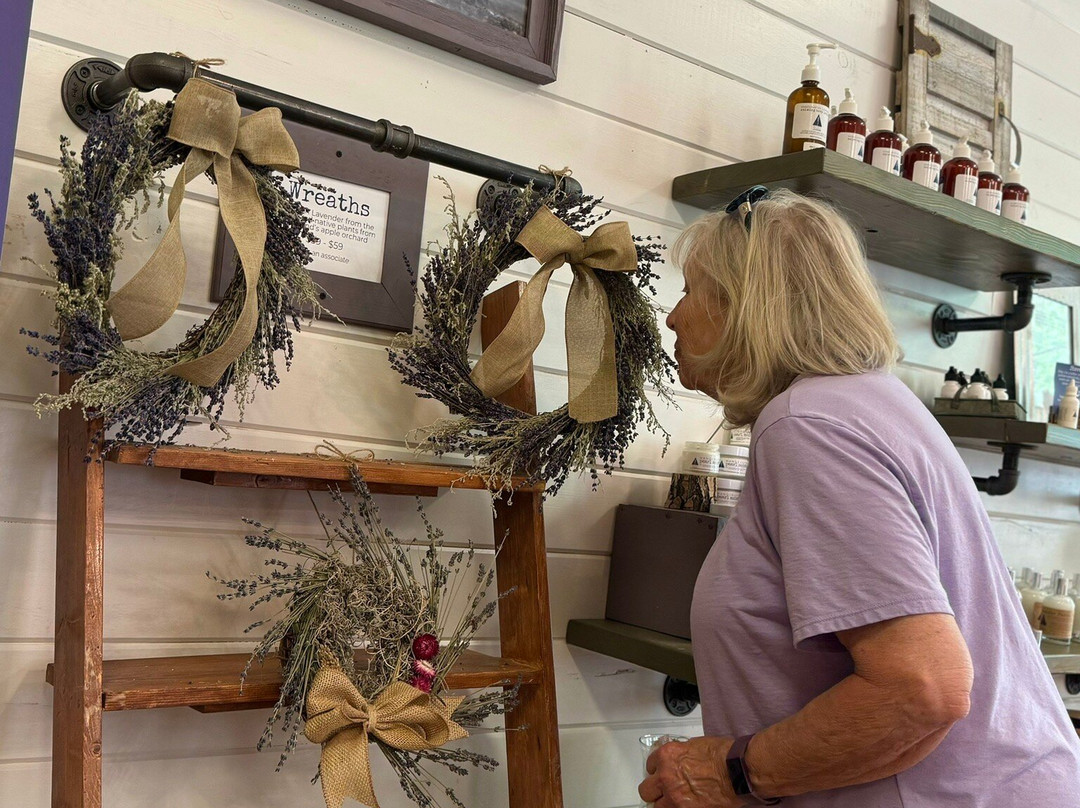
pixel 700 458
pixel 726 491
pixel 734 461
pixel 739 436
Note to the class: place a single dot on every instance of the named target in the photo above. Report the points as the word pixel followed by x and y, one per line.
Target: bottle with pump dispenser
pixel 1015 197
pixel 1032 597
pixel 1069 407
pixel 808 108
pixel 922 162
pixel 960 176
pixel 988 196
pixel 847 131
pixel 1057 615
pixel 883 145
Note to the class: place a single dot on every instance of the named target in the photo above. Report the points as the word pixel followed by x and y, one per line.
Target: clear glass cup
pixel 649 744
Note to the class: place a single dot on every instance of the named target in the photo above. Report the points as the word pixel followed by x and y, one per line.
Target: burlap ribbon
pixel 207 118
pixel 590 336
pixel 342 720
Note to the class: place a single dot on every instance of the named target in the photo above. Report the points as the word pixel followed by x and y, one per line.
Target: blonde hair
pixel 796 298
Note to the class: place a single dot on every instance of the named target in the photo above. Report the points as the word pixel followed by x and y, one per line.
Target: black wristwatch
pixel 740 774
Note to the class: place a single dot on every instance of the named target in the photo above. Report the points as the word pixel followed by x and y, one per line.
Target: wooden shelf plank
pixel 1061 658
pixel 639 646
pixel 903 224
pixel 674 655
pixel 248 469
pixel 1047 442
pixel 212 683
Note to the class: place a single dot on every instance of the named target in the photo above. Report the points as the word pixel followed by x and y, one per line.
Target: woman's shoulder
pixel 869 404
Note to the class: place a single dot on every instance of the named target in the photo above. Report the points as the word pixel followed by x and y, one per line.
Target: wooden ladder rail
pixel 78 632
pixel 532 739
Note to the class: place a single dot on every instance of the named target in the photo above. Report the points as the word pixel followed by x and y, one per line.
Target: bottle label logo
pixel 850 144
pixel 965 187
pixel 886 159
pixel 989 199
pixel 1015 210
pixel 810 122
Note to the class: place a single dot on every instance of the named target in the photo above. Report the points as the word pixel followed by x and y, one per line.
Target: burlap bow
pixel 341 720
pixel 590 336
pixel 207 118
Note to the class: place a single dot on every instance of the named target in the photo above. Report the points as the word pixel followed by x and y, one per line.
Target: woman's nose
pixel 670 320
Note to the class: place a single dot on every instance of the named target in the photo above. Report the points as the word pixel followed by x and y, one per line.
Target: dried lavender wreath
pixel 505 441
pixel 106 190
pixel 362 589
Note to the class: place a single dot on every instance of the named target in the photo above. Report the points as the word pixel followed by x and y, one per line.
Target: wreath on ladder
pixel 147 396
pixel 613 342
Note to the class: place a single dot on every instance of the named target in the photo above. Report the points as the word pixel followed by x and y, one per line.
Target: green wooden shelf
pixel 1054 444
pixel 674 656
pixel 904 224
pixel 639 646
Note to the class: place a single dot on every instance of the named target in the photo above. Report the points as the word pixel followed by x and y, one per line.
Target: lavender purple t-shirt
pixel 857 508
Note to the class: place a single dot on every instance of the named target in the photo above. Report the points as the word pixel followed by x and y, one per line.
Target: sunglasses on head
pixel 743 203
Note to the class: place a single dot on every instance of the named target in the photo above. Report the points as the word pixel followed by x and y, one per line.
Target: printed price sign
pixel 349 220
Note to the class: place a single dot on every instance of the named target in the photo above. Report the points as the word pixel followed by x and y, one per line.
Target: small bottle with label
pixel 960 176
pixel 808 108
pixel 922 162
pixel 952 383
pixel 883 146
pixel 1056 617
pixel 1001 388
pixel 1032 597
pixel 1015 197
pixel 1069 407
pixel 988 197
pixel 847 131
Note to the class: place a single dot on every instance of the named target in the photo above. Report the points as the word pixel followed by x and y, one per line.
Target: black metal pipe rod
pixel 152 71
pixel 1017 319
pixel 1005 481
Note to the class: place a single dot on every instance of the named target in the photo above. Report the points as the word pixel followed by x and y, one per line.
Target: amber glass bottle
pixel 883 147
pixel 960 176
pixel 847 131
pixel 922 162
pixel 807 122
pixel 1015 197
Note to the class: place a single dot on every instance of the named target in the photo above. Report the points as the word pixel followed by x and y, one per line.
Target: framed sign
pixel 520 37
pixel 367 210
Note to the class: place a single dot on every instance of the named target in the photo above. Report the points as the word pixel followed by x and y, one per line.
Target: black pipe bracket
pixel 1005 481
pixel 81 79
pixel 945 324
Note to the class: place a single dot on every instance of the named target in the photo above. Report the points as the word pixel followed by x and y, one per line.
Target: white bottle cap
pixel 903 142
pixel 962 149
pixel 832 111
pixel 1071 389
pixel 924 135
pixel 812 72
pixel 884 121
pixel 848 105
pixel 1036 581
pixel 986 162
pixel 1061 586
pixel 1014 174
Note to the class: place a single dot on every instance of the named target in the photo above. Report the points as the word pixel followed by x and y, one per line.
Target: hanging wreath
pixel 361 589
pixel 148 396
pixel 613 342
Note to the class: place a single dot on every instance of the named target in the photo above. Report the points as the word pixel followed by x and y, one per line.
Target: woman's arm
pixel 912 682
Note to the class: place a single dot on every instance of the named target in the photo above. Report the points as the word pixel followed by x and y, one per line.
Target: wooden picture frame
pixel 326 158
pixel 531 54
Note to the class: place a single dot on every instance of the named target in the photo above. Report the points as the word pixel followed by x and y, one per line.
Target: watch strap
pixel 739 773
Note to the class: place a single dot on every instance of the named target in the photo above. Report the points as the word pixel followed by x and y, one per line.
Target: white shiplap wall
pixel 646 91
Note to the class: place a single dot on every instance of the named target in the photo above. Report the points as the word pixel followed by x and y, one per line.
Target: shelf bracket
pixel 946 325
pixel 1004 482
pixel 680 696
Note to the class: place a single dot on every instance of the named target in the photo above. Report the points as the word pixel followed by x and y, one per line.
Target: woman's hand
pixel 690 774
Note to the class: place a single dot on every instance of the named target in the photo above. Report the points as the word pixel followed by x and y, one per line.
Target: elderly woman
pixel 858 642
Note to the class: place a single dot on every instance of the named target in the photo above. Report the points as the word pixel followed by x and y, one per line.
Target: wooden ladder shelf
pixel 85 684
